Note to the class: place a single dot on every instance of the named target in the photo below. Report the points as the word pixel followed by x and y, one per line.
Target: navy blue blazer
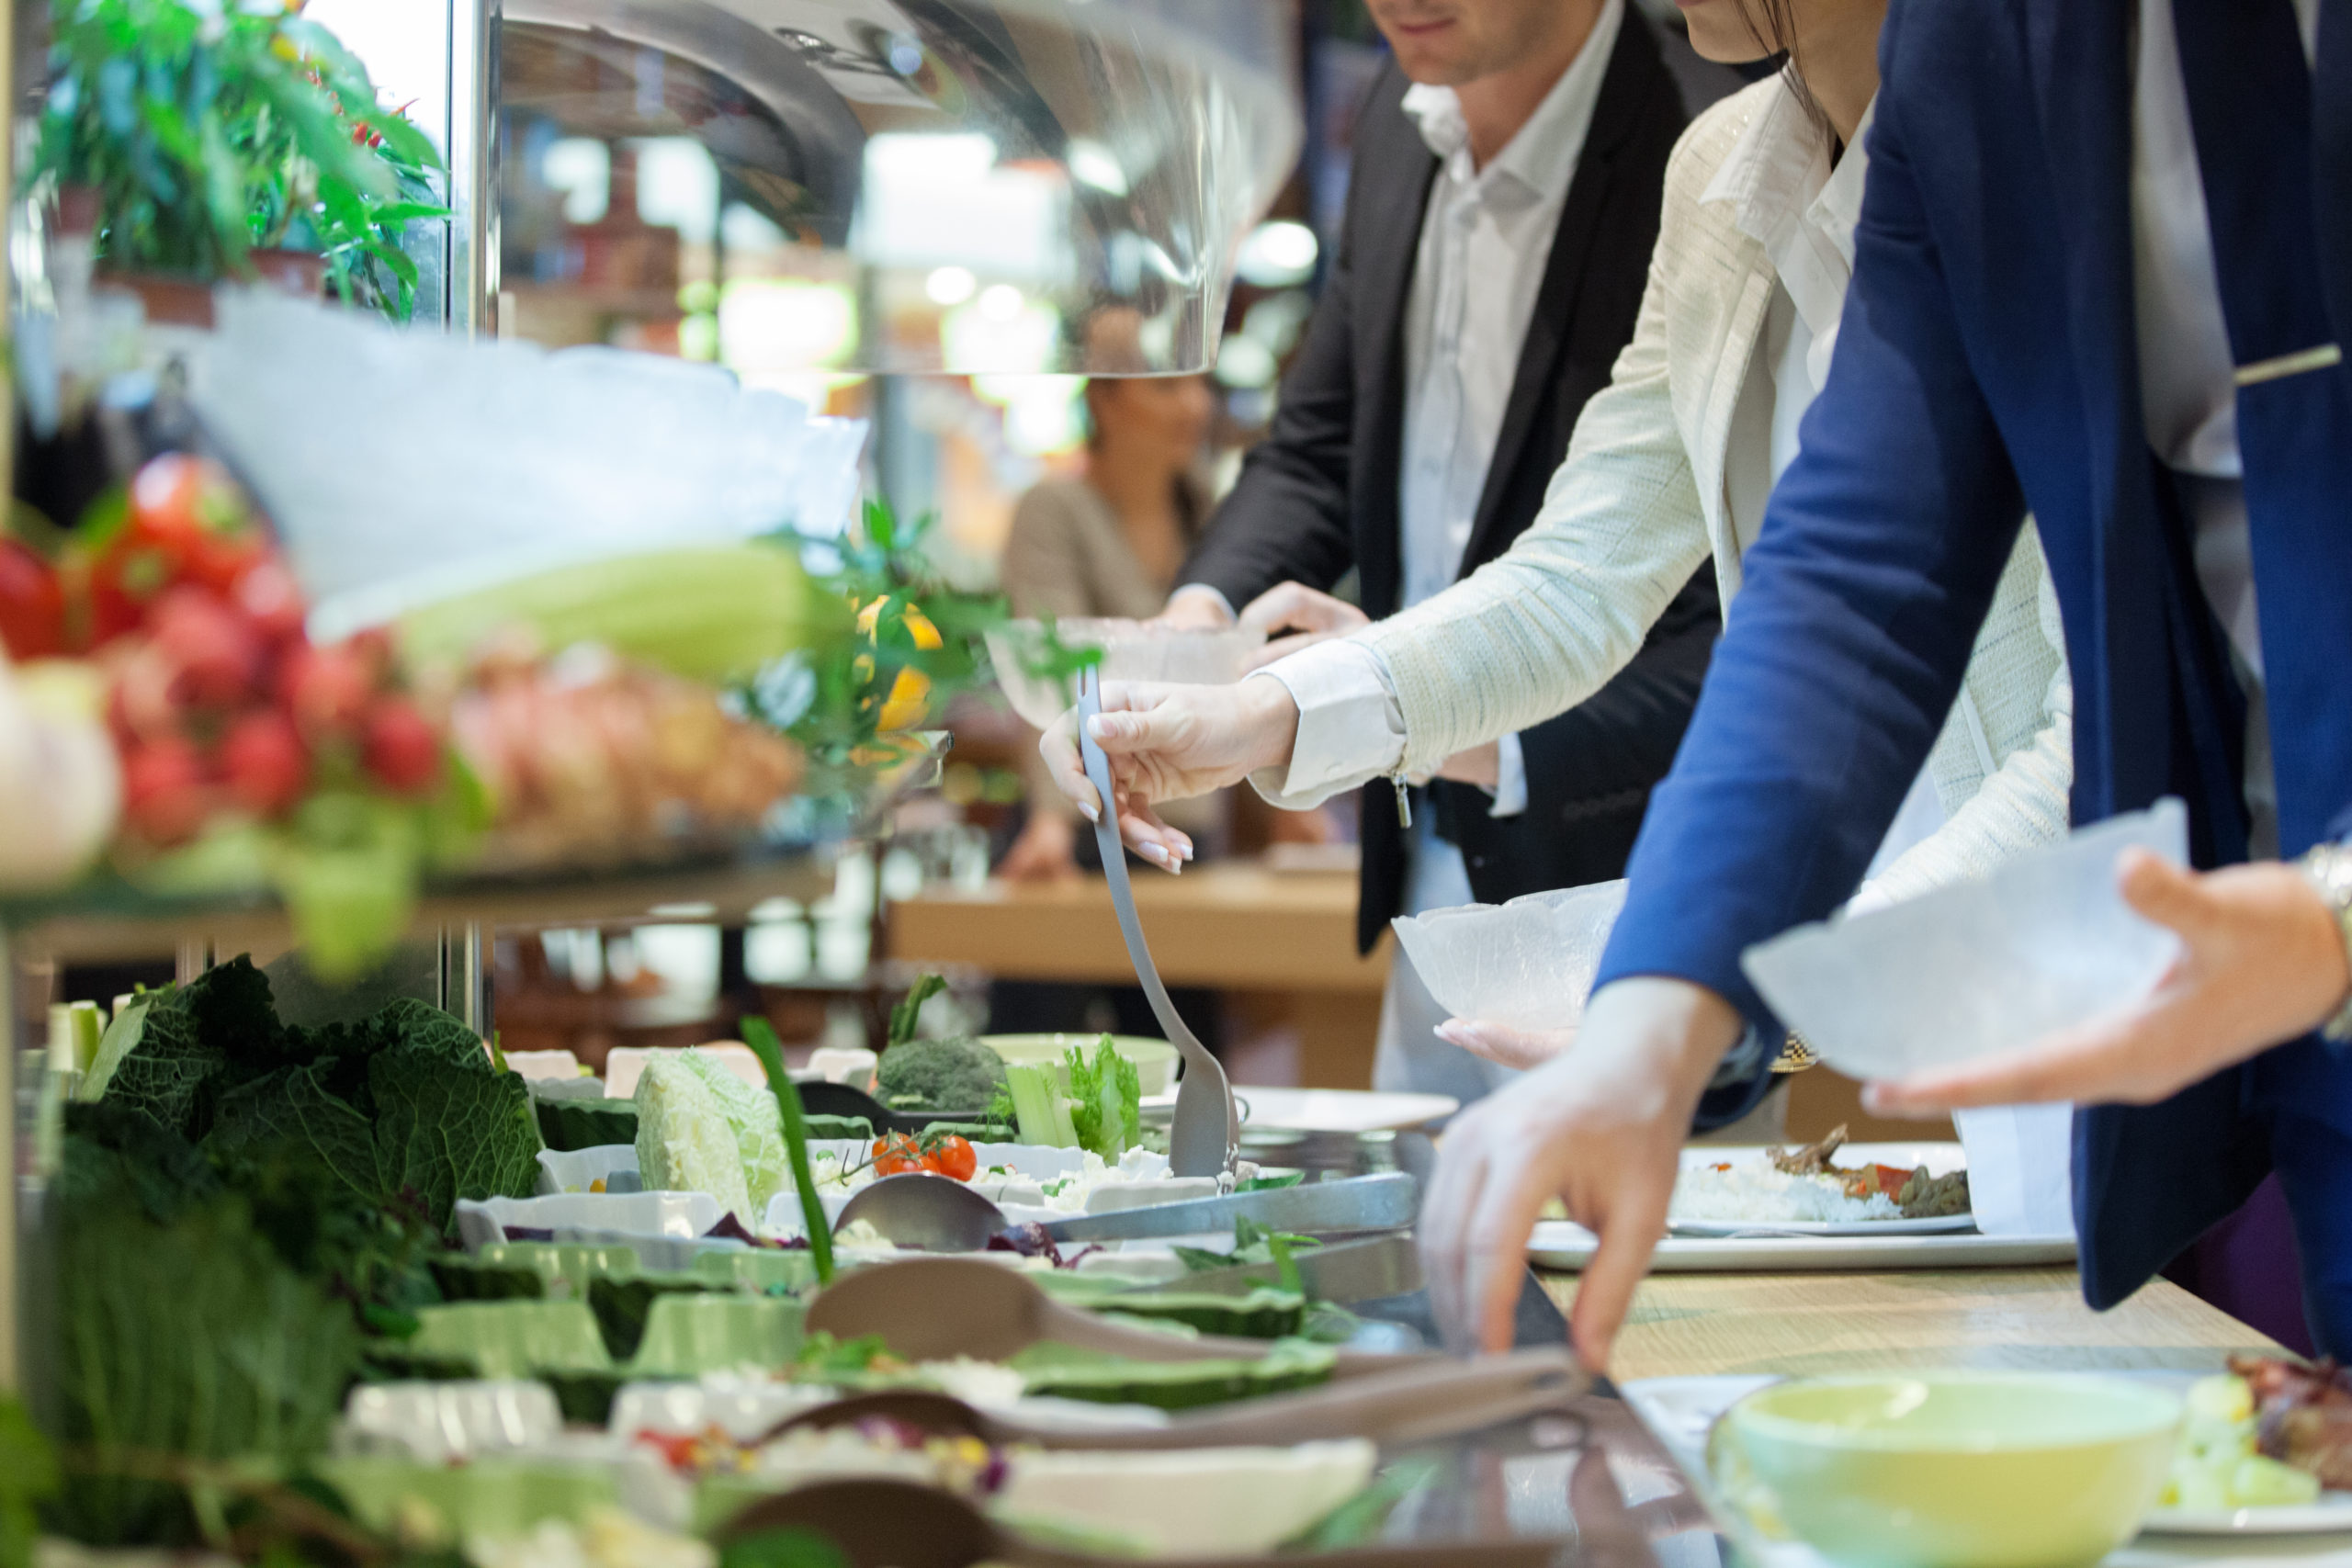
pixel 1987 361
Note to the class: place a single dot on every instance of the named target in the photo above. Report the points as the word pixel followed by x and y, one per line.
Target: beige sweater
pixel 1641 502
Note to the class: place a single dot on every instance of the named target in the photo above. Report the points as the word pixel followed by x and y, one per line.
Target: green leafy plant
pixel 760 1036
pixel 210 132
pixel 402 1106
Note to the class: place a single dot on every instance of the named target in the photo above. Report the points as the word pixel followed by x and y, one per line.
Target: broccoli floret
pixel 939 1074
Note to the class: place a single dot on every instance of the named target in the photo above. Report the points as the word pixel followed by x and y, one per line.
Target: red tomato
pixel 896 1156
pixel 267 766
pixel 1891 1180
pixel 401 749
pixel 953 1156
pixel 32 604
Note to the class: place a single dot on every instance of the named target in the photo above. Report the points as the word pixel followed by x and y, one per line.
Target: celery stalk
pixel 1038 1104
pixel 770 1051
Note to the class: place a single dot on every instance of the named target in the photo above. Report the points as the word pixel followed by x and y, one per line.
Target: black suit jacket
pixel 1319 494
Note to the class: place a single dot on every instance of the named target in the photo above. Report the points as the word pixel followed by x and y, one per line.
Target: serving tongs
pixel 1206 1131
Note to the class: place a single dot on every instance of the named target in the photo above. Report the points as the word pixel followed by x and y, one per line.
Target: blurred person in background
pixel 1107 543
pixel 1503 204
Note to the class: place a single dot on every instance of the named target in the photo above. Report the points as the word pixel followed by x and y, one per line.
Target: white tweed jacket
pixel 1641 499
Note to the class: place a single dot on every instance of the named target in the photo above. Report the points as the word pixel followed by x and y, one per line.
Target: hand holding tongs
pixel 1207 1128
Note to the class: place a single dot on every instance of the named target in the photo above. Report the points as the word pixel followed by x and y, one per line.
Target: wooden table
pixel 1236 927
pixel 2005 1318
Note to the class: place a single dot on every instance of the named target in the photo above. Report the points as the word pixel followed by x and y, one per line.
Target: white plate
pixel 1940 1160
pixel 2331 1515
pixel 1557 1244
pixel 1340 1110
pixel 1942 1224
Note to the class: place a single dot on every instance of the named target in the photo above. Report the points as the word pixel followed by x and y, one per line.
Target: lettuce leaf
pixel 1107 1101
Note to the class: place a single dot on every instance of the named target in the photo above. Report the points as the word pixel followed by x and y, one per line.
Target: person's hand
pixel 1169 743
pixel 1046 851
pixel 1308 616
pixel 1602 1127
pixel 2261 962
pixel 1193 610
pixel 1480 765
pixel 1520 1049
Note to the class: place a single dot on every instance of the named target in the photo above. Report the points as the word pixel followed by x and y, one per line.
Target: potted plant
pixel 199 142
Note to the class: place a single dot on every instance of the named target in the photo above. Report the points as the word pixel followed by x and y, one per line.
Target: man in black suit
pixel 1507 177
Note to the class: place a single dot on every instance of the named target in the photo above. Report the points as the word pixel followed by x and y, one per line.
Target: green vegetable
pixel 471 1280
pixel 1038 1104
pixel 792 1547
pixel 194 1339
pixel 570 1125
pixel 685 1143
pixel 1252 1243
pixel 1107 1101
pixel 404 1104
pixel 823 1128
pixel 939 1074
pixel 753 1117
pixel 622 1305
pixel 822 1355
pixel 1051 1370
pixel 584 1397
pixel 760 1036
pixel 1263 1314
pixel 904 1016
pixel 710 612
pixel 27 1475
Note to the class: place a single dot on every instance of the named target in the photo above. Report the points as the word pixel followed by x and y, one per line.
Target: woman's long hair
pixel 1772 24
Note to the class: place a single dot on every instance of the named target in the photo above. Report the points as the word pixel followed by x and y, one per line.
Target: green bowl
pixel 1949 1470
pixel 1155 1060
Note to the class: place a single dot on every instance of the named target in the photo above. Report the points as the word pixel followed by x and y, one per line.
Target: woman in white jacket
pixel 1670 465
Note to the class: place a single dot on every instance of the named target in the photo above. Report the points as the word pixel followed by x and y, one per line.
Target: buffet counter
pixel 2009 1319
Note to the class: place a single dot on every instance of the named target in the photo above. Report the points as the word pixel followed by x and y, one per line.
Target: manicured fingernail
pixel 1185 848
pixel 1101 728
pixel 1155 854
pixel 1087 809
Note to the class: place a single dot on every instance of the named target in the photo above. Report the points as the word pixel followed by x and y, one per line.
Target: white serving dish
pixel 436 1423
pixel 1191 1502
pixel 680 1215
pixel 2044 944
pixel 1132 651
pixel 1528 964
pixel 537 1065
pixel 1340 1110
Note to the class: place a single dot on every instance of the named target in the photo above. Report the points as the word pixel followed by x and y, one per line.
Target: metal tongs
pixel 1207 1128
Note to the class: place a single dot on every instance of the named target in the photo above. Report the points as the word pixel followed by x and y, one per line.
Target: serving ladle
pixel 1207 1131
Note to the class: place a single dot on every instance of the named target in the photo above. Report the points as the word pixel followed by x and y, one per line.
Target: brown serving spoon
pixel 897 1524
pixel 1421 1400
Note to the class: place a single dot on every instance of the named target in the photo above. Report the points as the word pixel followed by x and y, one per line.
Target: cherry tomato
pixel 896 1156
pixel 952 1157
pixel 32 604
